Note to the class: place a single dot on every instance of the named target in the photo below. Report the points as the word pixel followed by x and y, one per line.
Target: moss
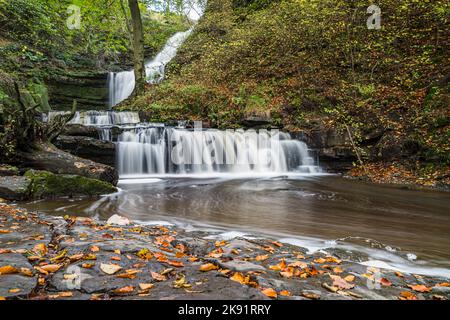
pixel 48 185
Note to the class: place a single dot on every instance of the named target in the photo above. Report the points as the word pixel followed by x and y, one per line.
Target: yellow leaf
pixel 285 293
pixel 51 268
pixel 349 278
pixel 15 290
pixel 8 270
pixel 95 249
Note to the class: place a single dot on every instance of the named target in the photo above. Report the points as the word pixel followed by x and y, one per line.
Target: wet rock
pixel 241 266
pixel 14 187
pixel 89 148
pixel 16 285
pixel 79 130
pixel 118 220
pixel 48 185
pixel 6 170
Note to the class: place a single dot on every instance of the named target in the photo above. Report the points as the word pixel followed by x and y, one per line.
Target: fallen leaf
pixel 349 278
pixel 124 290
pixel 158 277
pixel 40 249
pixel 15 290
pixel 3 231
pixel 26 272
pixel 116 258
pixel 385 282
pixel 399 274
pixel 406 295
pixel 51 268
pixel 177 264
pixel 87 265
pixel 145 286
pixel 279 266
pixel 271 293
pixel 76 257
pixel 338 270
pixel 208 267
pixel 320 260
pixel 262 258
pixel 277 243
pixel 8 270
pixel 299 264
pixel 90 256
pixel 95 249
pixel 419 288
pixel 2 299
pixel 110 268
pixel 341 283
pixel 285 293
pixel 181 282
pixel 443 284
pixel 310 295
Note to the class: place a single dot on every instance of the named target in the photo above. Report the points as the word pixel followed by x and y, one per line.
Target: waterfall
pixel 121 84
pixel 169 150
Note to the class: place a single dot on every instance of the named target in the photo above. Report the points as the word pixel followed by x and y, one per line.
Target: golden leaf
pixel 271 293
pixel 208 267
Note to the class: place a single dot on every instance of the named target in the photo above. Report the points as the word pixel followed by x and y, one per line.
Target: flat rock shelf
pixel 44 257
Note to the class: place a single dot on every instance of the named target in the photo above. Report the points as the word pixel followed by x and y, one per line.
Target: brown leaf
pixel 158 277
pixel 299 264
pixel 311 295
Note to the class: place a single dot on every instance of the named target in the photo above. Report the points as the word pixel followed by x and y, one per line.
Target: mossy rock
pixel 48 185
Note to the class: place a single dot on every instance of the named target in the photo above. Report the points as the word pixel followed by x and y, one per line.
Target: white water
pixel 173 151
pixel 99 118
pixel 121 84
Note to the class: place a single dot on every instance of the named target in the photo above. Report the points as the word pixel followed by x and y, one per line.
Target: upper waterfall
pixel 121 84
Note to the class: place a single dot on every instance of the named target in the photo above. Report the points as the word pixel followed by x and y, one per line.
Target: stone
pixel 15 188
pixel 6 170
pixel 118 220
pixel 80 130
pixel 49 185
pixel 89 148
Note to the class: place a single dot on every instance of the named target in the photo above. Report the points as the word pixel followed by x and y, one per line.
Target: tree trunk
pixel 138 46
pixel 49 158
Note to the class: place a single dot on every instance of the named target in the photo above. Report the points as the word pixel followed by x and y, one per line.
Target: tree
pixel 138 46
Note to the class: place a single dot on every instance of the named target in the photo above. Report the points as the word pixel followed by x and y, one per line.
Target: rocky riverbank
pixel 44 257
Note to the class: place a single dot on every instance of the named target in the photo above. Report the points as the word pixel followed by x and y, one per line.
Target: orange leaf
pixel 285 293
pixel 419 288
pixel 385 282
pixel 238 277
pixel 278 244
pixel 208 267
pixel 145 286
pixel 406 295
pixel 8 270
pixel 271 293
pixel 95 249
pixel 338 270
pixel 443 284
pixel 279 266
pixel 349 278
pixel 51 268
pixel 124 290
pixel 177 264
pixel 262 258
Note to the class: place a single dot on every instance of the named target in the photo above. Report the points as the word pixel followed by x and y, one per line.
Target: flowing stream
pixel 257 183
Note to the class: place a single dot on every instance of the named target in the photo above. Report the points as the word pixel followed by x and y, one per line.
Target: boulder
pixel 89 148
pixel 48 185
pixel 14 188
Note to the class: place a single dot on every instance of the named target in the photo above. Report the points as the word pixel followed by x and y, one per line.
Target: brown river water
pixel 386 226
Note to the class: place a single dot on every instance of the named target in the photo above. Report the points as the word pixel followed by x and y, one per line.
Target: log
pixel 49 158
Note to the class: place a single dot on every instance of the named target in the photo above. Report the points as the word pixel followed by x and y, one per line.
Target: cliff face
pixel 90 89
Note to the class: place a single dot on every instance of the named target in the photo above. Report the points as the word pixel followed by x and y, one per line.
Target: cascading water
pixel 168 150
pixel 121 84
